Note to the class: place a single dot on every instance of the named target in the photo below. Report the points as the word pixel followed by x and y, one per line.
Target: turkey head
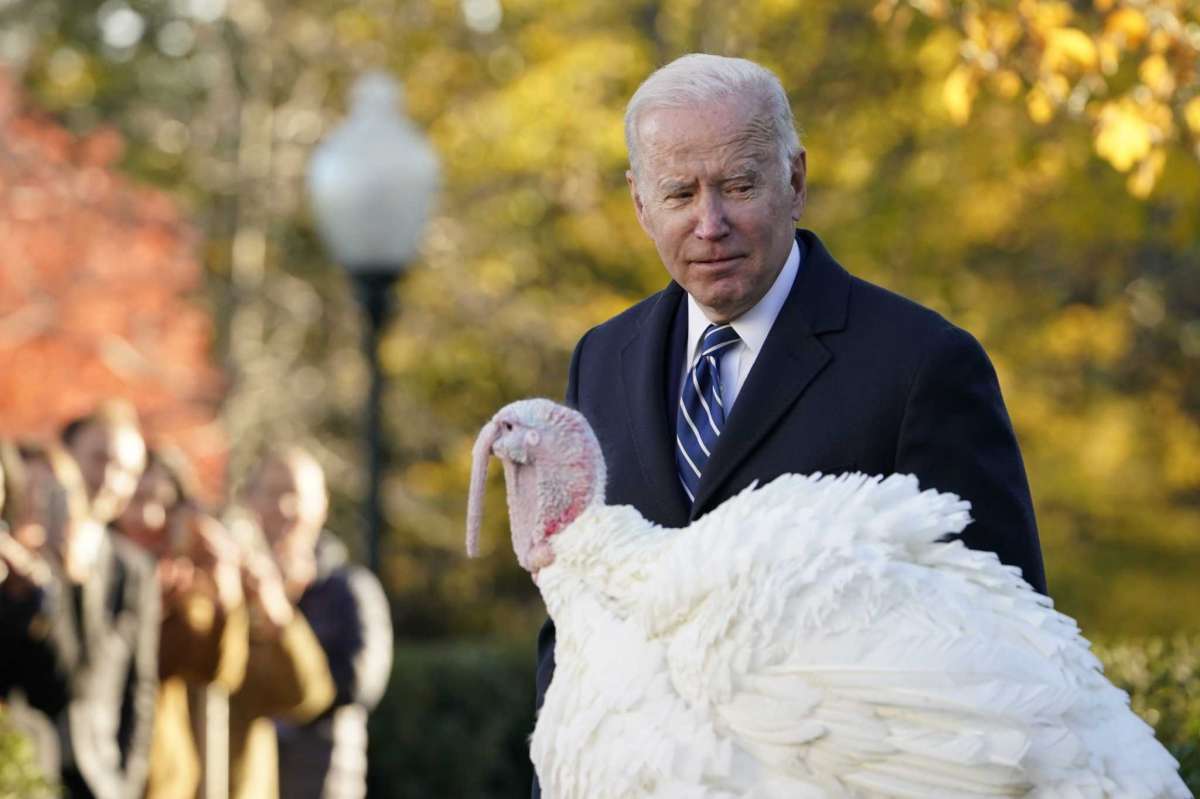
pixel 553 470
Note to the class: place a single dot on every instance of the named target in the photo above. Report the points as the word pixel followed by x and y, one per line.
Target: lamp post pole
pixel 371 183
pixel 374 290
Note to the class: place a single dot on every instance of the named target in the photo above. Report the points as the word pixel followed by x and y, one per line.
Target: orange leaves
pixel 1062 59
pixel 94 277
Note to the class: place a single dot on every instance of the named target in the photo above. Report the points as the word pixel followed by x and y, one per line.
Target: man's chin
pixel 721 306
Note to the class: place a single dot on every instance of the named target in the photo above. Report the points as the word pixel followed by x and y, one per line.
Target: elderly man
pixel 326 757
pixel 763 355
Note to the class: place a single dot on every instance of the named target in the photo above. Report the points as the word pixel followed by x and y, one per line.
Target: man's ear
pixel 639 207
pixel 799 183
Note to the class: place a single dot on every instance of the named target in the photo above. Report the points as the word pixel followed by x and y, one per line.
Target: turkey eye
pixel 507 426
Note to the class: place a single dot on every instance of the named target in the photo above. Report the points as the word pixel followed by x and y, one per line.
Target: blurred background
pixel 1029 169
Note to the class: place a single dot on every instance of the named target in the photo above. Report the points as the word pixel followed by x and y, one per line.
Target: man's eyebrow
pixel 674 184
pixel 749 173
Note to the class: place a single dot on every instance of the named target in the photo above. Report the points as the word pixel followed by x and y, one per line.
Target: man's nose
pixel 711 222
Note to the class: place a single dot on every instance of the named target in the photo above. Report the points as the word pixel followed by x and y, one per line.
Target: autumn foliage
pixel 1131 68
pixel 96 275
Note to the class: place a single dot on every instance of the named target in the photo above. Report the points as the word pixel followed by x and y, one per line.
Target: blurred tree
pixel 1130 68
pixel 94 283
pixel 1004 217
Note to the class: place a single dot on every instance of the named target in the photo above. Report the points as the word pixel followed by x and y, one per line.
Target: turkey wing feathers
pixel 817 637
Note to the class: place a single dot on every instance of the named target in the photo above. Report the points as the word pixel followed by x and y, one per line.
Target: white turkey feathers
pixel 813 637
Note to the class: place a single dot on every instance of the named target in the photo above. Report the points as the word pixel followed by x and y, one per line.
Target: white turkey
pixel 813 637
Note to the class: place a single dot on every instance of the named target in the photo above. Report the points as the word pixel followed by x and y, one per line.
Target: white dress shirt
pixel 752 327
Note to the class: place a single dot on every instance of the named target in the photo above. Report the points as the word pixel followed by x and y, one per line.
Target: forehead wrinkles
pixel 749 143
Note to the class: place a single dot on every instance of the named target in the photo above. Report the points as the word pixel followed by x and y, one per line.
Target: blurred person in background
pixel 287 675
pixel 346 607
pixel 33 686
pixel 89 622
pixel 203 637
pixel 111 453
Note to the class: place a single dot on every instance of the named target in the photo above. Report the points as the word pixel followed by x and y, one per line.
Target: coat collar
pixel 791 358
pixel 644 373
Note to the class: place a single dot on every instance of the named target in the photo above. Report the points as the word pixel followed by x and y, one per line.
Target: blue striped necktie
pixel 701 411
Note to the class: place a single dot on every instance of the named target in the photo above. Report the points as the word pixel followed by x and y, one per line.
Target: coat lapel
pixel 644 371
pixel 791 359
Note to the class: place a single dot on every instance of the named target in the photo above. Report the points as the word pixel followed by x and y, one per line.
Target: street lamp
pixel 371 183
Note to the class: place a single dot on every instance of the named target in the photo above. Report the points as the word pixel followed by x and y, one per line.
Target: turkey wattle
pixel 813 637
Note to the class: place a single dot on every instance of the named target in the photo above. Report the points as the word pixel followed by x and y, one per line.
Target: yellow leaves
pixel 354 27
pixel 1181 461
pixel 1108 440
pixel 1160 41
pixel 1068 49
pixel 1070 58
pixel 852 168
pixel 992 209
pixel 71 81
pixel 1127 26
pixel 1004 31
pixel 1006 83
pixel 958 93
pixel 1191 115
pixel 1110 55
pixel 882 11
pixel 939 52
pixel 1100 335
pixel 1039 106
pixel 1057 87
pixel 778 9
pixel 1044 15
pixel 1127 130
pixel 1143 179
pixel 931 8
pixel 1156 75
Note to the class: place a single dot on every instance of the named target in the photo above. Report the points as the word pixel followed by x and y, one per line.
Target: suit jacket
pixel 851 378
pixel 326 758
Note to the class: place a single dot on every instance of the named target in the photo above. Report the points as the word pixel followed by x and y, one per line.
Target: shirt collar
pixel 754 325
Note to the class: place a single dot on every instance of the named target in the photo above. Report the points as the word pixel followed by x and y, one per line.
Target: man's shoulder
pixel 882 313
pixel 339 580
pixel 618 329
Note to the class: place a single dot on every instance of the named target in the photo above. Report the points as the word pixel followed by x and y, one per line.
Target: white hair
pixel 700 78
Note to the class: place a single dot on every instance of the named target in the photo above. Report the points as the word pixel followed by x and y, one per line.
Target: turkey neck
pixel 605 555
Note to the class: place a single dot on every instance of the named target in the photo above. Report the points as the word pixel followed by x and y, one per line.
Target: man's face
pixel 144 520
pixel 715 198
pixel 111 459
pixel 289 501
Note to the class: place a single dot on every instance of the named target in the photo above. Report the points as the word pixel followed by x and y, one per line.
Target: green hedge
pixel 1163 681
pixel 19 774
pixel 455 722
pixel 456 716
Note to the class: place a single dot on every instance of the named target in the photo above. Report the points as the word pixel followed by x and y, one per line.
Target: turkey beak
pixel 479 463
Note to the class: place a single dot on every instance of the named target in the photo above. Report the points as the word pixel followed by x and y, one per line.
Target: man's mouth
pixel 717 262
